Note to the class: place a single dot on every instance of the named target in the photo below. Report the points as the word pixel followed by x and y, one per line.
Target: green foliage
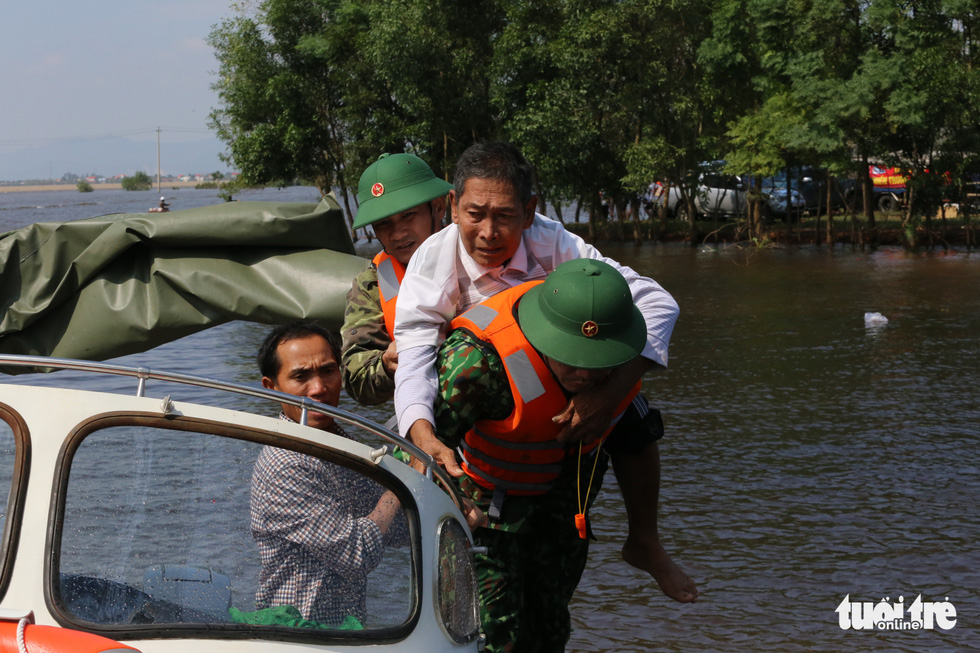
pixel 83 186
pixel 601 95
pixel 139 181
pixel 230 188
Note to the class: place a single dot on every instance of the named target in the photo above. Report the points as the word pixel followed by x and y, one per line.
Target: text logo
pixel 918 615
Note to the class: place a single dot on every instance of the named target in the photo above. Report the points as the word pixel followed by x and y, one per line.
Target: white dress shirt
pixel 443 280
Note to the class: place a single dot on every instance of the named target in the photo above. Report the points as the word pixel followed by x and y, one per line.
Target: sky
pixel 73 70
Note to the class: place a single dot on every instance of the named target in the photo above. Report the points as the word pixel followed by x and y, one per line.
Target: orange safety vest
pixel 390 275
pixel 519 454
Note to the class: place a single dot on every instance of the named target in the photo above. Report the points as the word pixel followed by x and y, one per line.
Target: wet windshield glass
pixel 7 463
pixel 165 526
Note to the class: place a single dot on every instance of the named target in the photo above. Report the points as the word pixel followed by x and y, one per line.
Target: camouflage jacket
pixel 365 340
pixel 472 386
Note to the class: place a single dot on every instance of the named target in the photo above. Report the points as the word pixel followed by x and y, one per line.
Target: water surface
pixel 807 457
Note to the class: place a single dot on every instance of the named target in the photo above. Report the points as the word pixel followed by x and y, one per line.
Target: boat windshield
pixel 8 453
pixel 188 525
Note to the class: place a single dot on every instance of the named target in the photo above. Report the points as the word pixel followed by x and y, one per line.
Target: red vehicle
pixel 889 186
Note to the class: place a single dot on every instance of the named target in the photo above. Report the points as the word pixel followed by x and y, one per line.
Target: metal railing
pixel 305 404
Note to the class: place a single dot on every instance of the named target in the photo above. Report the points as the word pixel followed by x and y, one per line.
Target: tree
pixel 279 98
pixel 83 186
pixel 933 131
pixel 139 181
pixel 605 95
pixel 318 89
pixel 435 60
pixel 601 95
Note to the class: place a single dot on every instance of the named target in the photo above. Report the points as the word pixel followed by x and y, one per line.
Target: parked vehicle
pixel 783 203
pixel 889 187
pixel 717 194
pixel 811 184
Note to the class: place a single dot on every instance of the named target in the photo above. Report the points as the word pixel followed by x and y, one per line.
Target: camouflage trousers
pixel 528 576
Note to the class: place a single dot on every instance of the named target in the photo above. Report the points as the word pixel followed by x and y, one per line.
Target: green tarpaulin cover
pixel 120 284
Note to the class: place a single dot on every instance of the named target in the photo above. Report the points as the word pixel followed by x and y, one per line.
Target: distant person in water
pixel 163 205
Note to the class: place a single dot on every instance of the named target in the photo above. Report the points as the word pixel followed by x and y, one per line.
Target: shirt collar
pixel 337 429
pixel 516 266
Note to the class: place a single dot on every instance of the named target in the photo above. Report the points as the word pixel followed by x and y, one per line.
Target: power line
pixel 96 137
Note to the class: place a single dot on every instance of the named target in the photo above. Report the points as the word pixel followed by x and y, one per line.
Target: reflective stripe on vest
pixel 524 378
pixel 482 316
pixel 510 444
pixel 510 487
pixel 521 453
pixel 390 275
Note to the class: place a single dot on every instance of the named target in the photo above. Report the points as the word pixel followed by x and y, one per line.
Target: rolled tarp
pixel 120 284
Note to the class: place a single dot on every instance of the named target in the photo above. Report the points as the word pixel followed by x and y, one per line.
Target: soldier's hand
pixel 423 436
pixel 586 417
pixel 389 360
pixel 475 518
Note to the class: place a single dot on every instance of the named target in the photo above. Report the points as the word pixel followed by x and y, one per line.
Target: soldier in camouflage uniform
pixel 536 551
pixel 404 202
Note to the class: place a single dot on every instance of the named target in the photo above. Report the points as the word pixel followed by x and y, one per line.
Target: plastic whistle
pixel 580 524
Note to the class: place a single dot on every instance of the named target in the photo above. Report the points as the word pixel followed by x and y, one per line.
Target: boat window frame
pixel 18 494
pixel 61 614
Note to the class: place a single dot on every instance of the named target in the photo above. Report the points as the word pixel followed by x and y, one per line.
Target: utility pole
pixel 158 160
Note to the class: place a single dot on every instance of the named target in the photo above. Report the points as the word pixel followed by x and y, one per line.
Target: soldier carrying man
pixel 510 363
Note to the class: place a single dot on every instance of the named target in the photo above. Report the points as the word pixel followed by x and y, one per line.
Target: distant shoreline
pixel 168 185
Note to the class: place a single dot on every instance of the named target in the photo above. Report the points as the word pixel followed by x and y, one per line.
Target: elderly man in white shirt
pixel 497 241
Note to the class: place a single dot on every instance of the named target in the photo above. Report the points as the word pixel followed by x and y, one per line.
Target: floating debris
pixel 874 320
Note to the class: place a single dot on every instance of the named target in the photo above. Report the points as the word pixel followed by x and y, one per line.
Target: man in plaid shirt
pixel 320 527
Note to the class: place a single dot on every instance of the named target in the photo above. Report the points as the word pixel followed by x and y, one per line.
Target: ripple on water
pixel 803 460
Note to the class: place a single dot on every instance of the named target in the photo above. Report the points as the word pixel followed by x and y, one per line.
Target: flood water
pixel 807 457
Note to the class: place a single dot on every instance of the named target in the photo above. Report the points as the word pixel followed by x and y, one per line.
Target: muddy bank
pixel 33 188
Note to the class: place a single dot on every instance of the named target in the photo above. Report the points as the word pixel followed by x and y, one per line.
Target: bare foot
pixel 652 558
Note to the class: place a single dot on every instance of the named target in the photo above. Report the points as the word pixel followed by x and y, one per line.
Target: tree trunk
pixel 692 215
pixel 867 196
pixel 911 236
pixel 830 213
pixel 558 215
pixel 620 208
pixel 857 235
pixel 758 219
pixel 635 207
pixel 945 226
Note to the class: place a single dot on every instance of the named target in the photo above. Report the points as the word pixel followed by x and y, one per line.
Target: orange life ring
pixel 51 639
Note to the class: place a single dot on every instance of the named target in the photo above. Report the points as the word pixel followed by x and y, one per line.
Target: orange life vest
pixel 519 454
pixel 390 275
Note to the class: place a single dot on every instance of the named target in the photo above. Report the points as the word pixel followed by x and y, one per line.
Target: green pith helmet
pixel 395 183
pixel 583 315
